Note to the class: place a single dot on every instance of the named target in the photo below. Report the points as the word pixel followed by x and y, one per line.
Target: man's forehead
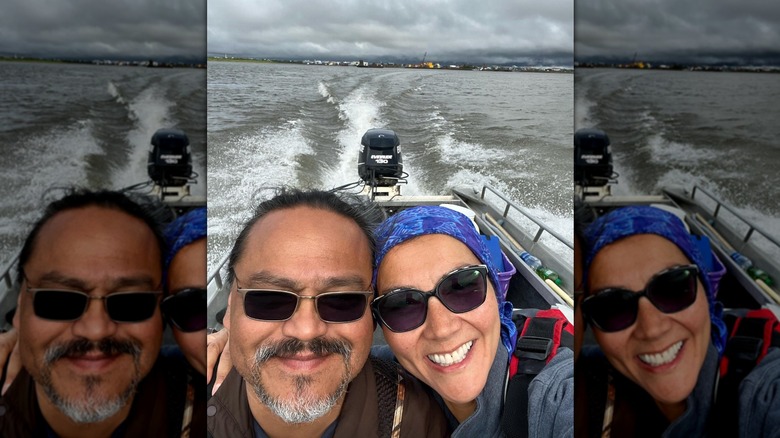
pixel 308 247
pixel 82 220
pixel 91 237
pixel 303 224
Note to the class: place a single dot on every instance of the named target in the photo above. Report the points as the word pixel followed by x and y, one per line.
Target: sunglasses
pixel 614 309
pixel 279 305
pixel 405 309
pixel 68 305
pixel 186 309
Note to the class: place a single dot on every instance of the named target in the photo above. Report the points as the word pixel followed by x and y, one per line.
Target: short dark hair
pixel 364 213
pixel 134 205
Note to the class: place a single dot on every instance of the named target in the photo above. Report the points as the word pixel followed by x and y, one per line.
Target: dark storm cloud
pixel 479 31
pixel 111 29
pixel 678 30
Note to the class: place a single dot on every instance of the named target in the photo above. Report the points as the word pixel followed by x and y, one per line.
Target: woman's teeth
pixel 456 356
pixel 663 357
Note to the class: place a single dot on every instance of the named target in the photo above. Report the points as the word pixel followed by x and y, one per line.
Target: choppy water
pixel 680 128
pixel 274 124
pixel 91 126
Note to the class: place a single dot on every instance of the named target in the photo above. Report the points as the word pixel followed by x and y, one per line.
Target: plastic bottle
pixel 547 273
pixel 741 260
pixel 532 261
pixel 759 274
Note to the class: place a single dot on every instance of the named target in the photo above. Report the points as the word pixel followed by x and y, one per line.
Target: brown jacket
pixel 151 414
pixel 228 414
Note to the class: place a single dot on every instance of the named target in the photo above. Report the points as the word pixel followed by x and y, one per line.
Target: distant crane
pixel 424 64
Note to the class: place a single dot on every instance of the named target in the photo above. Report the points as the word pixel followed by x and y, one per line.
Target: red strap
pixel 561 324
pixel 771 325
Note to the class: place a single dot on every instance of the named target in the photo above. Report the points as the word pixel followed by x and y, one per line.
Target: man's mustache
pixel 80 347
pixel 290 347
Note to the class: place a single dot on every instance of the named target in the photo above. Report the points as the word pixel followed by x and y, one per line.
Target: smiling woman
pixel 655 370
pixel 445 319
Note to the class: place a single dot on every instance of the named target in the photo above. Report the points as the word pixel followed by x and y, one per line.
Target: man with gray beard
pixel 89 324
pixel 300 330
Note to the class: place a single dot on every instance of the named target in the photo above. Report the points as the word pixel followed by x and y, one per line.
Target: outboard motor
pixel 379 161
pixel 170 159
pixel 592 158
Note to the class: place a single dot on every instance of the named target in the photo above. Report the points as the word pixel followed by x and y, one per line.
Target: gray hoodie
pixel 550 407
pixel 759 398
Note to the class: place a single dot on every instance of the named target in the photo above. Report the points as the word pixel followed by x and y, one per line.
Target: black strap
pixel 514 422
pixel 535 345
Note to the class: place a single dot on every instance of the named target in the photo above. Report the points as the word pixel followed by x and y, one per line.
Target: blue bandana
pixel 184 230
pixel 419 221
pixel 630 221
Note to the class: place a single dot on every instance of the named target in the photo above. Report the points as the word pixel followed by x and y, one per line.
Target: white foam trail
pixel 562 224
pixel 361 110
pixel 583 111
pixel 325 92
pixel 663 151
pixel 57 157
pixel 767 223
pixel 266 158
pixel 456 152
pixel 149 111
pixel 114 92
pixel 684 178
pixel 436 120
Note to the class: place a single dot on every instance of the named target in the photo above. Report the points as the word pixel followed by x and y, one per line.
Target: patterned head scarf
pixel 629 221
pixel 419 221
pixel 184 230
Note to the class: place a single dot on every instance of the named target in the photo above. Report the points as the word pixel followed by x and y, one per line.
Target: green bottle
pixel 547 273
pixel 759 274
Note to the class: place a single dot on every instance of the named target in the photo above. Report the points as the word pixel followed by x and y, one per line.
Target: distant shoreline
pixel 680 67
pixel 115 63
pixel 380 65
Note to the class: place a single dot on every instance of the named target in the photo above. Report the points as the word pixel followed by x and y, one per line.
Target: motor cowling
pixel 592 158
pixel 379 159
pixel 170 158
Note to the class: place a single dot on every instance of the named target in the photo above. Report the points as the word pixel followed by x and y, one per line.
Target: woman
pixel 185 309
pixel 654 372
pixel 459 343
pixel 185 305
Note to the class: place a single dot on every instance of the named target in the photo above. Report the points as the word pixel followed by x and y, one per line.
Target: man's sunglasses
pixel 69 305
pixel 186 309
pixel 405 309
pixel 614 309
pixel 279 305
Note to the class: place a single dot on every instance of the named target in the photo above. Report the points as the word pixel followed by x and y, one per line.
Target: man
pixel 300 330
pixel 89 323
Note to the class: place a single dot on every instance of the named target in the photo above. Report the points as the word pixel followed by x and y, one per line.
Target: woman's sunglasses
pixel 186 309
pixel 614 309
pixel 461 290
pixel 278 305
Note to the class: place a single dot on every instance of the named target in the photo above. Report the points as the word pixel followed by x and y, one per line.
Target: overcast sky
pixel 497 31
pixel 679 30
pixel 103 28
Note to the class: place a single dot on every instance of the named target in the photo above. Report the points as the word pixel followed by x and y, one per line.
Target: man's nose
pixel 95 324
pixel 305 324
